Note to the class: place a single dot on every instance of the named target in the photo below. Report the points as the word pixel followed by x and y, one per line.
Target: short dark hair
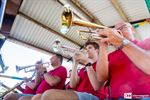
pixel 94 44
pixel 60 57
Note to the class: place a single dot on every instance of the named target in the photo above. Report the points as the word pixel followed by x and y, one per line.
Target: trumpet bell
pixel 66 19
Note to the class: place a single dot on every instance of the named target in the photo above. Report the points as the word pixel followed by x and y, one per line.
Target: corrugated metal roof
pixel 29 32
pixel 103 10
pixel 45 11
pixel 48 12
pixel 135 9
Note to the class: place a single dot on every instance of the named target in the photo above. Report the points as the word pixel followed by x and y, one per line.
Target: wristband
pixel 88 64
pixel 44 72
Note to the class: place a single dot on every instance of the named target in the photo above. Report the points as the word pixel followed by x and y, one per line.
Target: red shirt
pixel 144 44
pixel 61 72
pixel 67 86
pixel 85 85
pixel 29 90
pixel 125 76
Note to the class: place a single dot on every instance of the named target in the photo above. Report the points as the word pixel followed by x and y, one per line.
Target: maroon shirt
pixel 61 72
pixel 125 76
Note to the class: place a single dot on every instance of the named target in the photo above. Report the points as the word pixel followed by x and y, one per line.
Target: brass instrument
pixel 12 77
pixel 5 86
pixel 68 20
pixel 58 47
pixel 30 68
pixel 11 89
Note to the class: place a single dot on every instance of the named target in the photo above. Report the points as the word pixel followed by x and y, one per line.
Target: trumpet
pixel 58 47
pixel 12 89
pixel 68 20
pixel 30 68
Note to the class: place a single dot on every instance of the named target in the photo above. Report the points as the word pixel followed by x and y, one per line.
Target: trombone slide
pixel 11 89
pixel 12 77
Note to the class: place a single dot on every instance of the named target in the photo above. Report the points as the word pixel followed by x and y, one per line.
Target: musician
pixel 84 83
pixel 128 66
pixel 53 79
pixel 31 86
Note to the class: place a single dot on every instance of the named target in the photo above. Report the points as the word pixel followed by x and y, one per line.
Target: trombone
pixel 12 77
pixel 12 89
pixel 30 68
pixel 68 20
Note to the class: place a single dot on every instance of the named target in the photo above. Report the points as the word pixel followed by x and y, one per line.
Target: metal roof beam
pixel 82 8
pixel 46 27
pixel 12 7
pixel 119 9
pixel 28 45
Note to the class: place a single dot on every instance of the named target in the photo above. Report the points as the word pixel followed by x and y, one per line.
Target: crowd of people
pixel 104 76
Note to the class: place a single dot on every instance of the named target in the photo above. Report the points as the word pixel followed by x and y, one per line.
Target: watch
pixel 88 64
pixel 124 43
pixel 44 72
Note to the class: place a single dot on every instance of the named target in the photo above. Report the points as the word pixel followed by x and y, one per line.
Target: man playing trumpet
pixel 84 84
pixel 46 80
pixel 127 68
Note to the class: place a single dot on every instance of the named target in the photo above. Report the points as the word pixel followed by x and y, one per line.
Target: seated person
pixel 85 83
pixel 53 79
pixel 29 89
pixel 128 66
pixel 31 86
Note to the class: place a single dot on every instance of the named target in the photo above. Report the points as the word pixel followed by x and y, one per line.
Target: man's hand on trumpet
pixel 40 69
pixel 81 57
pixel 31 85
pixel 113 36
